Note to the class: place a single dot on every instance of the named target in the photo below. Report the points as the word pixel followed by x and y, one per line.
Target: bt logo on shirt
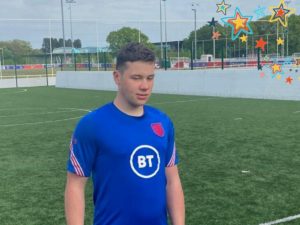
pixel 145 161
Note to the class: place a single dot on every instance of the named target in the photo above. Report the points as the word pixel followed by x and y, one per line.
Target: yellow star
pixel 240 22
pixel 276 68
pixel 278 77
pixel 280 41
pixel 244 38
pixel 281 13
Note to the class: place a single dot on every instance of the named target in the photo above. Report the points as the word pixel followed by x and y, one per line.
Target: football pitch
pixel 239 158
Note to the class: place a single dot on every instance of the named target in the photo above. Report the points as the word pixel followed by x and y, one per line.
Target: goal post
pixel 180 62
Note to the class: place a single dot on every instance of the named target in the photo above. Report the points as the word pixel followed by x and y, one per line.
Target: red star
pixel 289 80
pixel 280 12
pixel 216 35
pixel 261 44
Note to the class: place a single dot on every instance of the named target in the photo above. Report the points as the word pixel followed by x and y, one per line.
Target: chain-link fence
pixel 174 42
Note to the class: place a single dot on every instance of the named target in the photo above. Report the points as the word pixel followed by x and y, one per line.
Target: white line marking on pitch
pixel 239 118
pixel 41 122
pixel 297 112
pixel 16 92
pixel 180 101
pixel 76 109
pixel 43 113
pixel 282 220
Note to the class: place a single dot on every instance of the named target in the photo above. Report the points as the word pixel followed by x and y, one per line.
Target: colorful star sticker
pixel 281 13
pixel 276 68
pixel 289 80
pixel 261 44
pixel 260 12
pixel 244 38
pixel 238 23
pixel 278 76
pixel 222 7
pixel 216 35
pixel 280 41
pixel 262 74
pixel 213 22
pixel 267 58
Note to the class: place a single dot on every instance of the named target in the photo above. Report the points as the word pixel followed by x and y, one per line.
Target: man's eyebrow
pixel 140 75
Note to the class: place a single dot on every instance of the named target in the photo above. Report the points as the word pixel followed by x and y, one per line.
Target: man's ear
pixel 117 77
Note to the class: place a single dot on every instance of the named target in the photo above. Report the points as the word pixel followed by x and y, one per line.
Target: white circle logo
pixel 145 161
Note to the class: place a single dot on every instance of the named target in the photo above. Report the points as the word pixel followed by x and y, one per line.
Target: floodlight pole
pixel 277 38
pixel 71 27
pixel 50 45
pixel 63 28
pixel 287 32
pixel 1 62
pixel 195 32
pixel 161 36
pixel 165 34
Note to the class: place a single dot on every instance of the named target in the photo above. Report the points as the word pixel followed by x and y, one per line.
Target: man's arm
pixel 74 199
pixel 175 197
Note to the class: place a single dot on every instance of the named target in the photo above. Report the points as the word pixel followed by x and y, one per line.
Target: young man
pixel 129 150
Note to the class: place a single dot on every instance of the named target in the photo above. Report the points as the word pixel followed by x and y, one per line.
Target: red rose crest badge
pixel 158 129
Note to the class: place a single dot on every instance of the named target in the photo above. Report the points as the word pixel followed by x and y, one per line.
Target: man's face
pixel 135 83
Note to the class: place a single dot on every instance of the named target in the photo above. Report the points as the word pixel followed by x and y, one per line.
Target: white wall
pixel 245 83
pixel 27 82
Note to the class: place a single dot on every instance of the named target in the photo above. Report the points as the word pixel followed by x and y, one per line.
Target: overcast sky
pixel 92 20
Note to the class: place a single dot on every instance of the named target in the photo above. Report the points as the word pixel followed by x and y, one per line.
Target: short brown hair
pixel 133 52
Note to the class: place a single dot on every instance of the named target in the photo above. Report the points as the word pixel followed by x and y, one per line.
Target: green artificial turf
pixel 239 158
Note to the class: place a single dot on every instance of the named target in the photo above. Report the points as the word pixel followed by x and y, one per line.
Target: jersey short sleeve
pixel 171 154
pixel 82 149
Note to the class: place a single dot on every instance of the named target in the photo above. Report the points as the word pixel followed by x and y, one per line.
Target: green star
pixel 222 7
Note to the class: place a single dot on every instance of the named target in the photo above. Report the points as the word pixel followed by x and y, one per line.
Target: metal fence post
pixel 61 64
pixel 258 59
pixel 222 58
pixel 16 74
pixel 75 66
pixel 105 65
pixel 192 58
pixel 46 67
pixel 89 61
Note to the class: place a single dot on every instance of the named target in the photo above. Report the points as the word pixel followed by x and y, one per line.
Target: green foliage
pixel 58 43
pixel 14 50
pixel 77 43
pixel 294 32
pixel 261 28
pixel 117 39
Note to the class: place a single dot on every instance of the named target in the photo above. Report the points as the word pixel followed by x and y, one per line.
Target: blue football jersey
pixel 126 157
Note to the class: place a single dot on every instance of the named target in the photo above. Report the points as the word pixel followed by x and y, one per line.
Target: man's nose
pixel 144 84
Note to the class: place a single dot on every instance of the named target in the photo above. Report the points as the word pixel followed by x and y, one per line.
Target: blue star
pixel 238 23
pixel 213 22
pixel 260 12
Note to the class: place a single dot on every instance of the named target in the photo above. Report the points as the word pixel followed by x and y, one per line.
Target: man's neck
pixel 128 109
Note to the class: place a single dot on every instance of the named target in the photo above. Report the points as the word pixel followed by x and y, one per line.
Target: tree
pixel 15 50
pixel 68 43
pixel 58 43
pixel 205 41
pixel 77 43
pixel 235 48
pixel 46 44
pixel 117 39
pixel 293 34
